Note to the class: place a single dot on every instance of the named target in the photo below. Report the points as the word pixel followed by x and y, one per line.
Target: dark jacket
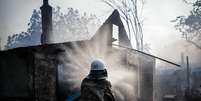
pixel 96 90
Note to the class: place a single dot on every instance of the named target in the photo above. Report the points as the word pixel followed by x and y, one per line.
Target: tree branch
pixel 194 43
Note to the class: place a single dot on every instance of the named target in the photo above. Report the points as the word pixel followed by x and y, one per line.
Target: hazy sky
pixel 14 16
pixel 159 32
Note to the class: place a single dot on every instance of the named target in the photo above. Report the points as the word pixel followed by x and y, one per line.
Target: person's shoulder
pixel 108 82
pixel 105 82
pixel 85 80
pixel 99 81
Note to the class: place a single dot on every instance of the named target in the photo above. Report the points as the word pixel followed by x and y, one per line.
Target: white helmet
pixel 98 70
pixel 97 65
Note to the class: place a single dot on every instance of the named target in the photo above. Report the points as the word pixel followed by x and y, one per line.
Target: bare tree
pixel 129 13
pixel 190 26
pixel 64 23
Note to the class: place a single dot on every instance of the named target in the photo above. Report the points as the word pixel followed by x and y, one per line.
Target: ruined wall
pixel 16 71
pixel 147 72
pixel 28 74
pixel 45 75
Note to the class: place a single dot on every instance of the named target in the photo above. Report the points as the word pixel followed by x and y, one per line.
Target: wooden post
pixel 188 75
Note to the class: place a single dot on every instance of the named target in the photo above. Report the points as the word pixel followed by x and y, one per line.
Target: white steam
pixel 76 63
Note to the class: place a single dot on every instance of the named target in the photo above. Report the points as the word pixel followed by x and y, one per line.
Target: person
pixel 96 87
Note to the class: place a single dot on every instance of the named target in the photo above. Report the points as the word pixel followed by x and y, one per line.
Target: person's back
pixel 95 87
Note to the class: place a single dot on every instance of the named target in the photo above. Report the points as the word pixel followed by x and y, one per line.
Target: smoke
pixel 76 61
pixel 179 47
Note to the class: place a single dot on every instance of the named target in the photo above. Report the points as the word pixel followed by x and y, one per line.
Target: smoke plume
pixel 76 61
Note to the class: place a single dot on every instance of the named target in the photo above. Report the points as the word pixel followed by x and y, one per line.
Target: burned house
pixel 33 73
